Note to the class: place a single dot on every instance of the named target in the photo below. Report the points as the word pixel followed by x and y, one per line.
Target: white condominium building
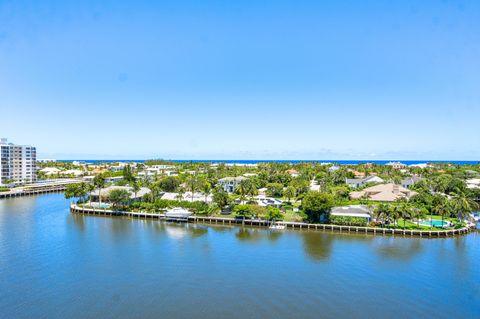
pixel 17 163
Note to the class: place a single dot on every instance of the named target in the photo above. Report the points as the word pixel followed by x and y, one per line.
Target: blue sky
pixel 242 80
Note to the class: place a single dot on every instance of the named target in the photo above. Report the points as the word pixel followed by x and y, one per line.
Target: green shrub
pixel 348 221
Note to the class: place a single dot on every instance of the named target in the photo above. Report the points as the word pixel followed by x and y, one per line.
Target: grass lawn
pixel 291 216
pixel 413 224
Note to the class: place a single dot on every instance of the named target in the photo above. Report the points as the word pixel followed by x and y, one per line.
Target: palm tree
pixel 406 212
pixel 395 212
pixel 416 214
pixel 381 212
pixel 89 188
pixel 244 188
pixel 181 191
pixel 154 189
pixel 192 184
pixel 206 188
pixel 135 188
pixel 441 206
pixel 290 192
pixel 99 182
pixel 463 205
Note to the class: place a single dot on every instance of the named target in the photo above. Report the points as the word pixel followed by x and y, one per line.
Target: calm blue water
pixel 57 265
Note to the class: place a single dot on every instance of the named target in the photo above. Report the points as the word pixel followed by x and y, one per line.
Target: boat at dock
pixel 277 226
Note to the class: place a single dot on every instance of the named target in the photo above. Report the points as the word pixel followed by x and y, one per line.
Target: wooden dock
pixel 36 189
pixel 289 225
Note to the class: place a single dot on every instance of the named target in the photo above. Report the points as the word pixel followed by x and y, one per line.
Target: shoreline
pixel 75 209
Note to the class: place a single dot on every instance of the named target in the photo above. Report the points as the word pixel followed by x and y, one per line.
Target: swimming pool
pixel 435 223
pixel 99 205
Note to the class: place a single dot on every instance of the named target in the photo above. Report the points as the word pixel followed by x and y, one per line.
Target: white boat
pixel 475 217
pixel 277 226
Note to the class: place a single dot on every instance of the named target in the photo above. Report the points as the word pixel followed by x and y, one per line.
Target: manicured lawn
pixel 291 216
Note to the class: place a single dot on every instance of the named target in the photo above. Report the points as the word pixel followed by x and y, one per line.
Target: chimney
pixel 396 189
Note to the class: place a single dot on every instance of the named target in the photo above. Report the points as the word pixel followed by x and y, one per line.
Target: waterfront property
pixel 300 191
pixel 179 214
pixel 104 192
pixel 17 163
pixel 354 211
pixel 78 265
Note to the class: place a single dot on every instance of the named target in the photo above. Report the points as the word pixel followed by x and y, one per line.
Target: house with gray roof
pixel 408 182
pixel 361 211
pixel 357 182
pixel 230 184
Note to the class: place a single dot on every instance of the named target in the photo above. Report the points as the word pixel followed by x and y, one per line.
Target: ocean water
pixel 339 162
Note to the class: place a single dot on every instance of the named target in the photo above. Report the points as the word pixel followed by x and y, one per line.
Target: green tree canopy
pixel 169 184
pixel 220 197
pixel 243 211
pixel 119 197
pixel 315 204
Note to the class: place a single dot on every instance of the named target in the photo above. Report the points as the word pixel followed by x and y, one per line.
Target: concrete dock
pixel 76 209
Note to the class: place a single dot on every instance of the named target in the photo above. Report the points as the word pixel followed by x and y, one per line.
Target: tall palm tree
pixel 99 182
pixel 206 188
pixel 290 193
pixel 180 191
pixel 244 188
pixel 381 212
pixel 192 184
pixel 463 205
pixel 395 212
pixel 442 206
pixel 135 187
pixel 154 190
pixel 406 211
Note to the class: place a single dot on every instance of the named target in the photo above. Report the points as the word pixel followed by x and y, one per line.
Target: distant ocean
pixel 340 162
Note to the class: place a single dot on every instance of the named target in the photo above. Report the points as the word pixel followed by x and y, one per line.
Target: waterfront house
pixel 230 184
pixel 105 191
pixel 383 193
pixel 361 211
pixel 357 182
